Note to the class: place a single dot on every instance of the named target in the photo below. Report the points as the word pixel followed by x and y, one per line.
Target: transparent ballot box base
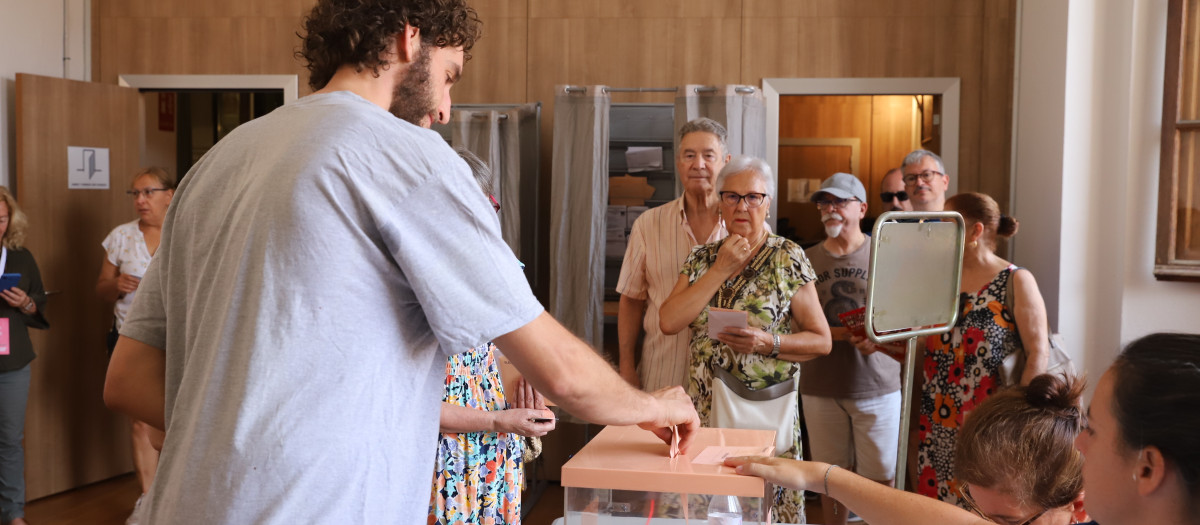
pixel 585 506
pixel 625 475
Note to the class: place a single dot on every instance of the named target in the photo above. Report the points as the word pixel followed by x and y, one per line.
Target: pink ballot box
pixel 623 476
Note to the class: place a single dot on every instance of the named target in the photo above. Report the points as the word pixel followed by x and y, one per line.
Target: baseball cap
pixel 842 186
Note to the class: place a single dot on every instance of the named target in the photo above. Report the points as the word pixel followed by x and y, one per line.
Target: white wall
pixel 1086 172
pixel 32 41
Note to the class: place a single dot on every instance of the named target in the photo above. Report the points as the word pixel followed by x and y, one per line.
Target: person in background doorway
pixel 925 180
pixel 658 243
pixel 22 310
pixel 128 249
pixel 892 193
pixel 851 399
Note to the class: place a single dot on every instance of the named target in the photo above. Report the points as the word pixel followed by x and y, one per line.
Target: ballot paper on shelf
pixel 642 158
pixel 723 319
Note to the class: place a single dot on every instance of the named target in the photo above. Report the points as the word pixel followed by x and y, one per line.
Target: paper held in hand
pixel 723 319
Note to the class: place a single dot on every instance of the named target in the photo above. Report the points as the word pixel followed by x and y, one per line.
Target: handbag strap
pixel 774 391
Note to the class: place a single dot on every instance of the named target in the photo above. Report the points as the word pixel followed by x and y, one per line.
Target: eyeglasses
pixel 925 176
pixel 964 492
pixel 753 200
pixel 888 195
pixel 495 203
pixel 148 192
pixel 834 203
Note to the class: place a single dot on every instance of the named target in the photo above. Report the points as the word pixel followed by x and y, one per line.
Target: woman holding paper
pixel 760 282
pixel 25 302
pixel 128 249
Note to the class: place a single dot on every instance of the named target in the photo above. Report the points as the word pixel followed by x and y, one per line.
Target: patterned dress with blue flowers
pixel 962 368
pixel 767 298
pixel 477 475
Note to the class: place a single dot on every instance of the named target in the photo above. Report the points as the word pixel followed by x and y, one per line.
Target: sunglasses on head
pixel 887 196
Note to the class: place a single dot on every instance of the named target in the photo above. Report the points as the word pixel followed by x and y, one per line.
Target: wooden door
pixel 71 439
pixel 808 162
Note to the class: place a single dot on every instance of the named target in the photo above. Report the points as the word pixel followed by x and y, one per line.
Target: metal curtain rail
pixel 707 89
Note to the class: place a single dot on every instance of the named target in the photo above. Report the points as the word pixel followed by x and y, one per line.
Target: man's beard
pixel 833 230
pixel 412 99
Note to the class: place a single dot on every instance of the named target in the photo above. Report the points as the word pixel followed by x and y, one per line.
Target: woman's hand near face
pixel 747 340
pixel 734 253
pixel 127 284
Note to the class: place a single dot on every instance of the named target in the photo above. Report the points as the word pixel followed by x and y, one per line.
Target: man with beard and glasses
pixel 851 398
pixel 316 269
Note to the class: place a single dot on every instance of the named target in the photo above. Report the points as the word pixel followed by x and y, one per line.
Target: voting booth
pixel 626 476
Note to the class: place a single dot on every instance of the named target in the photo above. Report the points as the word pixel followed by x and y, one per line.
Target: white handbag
pixel 772 408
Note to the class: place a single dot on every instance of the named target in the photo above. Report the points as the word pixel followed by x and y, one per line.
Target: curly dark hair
pixel 358 32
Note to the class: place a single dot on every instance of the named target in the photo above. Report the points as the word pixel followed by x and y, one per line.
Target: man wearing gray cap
pixel 851 399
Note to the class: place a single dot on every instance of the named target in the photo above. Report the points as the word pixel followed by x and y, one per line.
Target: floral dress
pixel 962 368
pixel 767 297
pixel 477 475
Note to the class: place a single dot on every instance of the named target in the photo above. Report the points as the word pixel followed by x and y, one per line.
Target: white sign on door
pixel 87 168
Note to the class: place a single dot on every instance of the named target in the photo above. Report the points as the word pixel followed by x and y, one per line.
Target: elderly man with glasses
pixel 925 180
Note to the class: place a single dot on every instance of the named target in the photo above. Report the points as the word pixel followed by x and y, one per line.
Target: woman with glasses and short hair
pixel 769 278
pixel 128 249
pixel 1137 443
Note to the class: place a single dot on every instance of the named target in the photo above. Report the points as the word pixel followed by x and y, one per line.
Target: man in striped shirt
pixel 658 244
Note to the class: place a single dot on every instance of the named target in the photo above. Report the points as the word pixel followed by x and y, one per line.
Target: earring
pixel 974 244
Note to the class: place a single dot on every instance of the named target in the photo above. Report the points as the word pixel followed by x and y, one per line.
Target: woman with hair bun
pixel 962 366
pixel 1137 443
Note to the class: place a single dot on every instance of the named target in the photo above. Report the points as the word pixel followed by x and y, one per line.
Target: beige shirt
pixel 658 244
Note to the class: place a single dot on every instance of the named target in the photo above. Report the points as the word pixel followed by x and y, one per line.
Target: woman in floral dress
pixel 962 367
pixel 477 474
pixel 764 275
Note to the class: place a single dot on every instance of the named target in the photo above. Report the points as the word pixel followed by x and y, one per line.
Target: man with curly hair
pixel 316 269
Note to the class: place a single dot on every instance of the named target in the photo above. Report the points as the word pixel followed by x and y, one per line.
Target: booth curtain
pixel 578 199
pixel 495 136
pixel 741 109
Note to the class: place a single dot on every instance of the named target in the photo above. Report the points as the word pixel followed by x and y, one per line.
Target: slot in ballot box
pixel 623 476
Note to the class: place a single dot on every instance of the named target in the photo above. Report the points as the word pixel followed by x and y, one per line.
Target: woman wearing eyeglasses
pixel 1137 441
pixel 766 276
pixel 1016 465
pixel 128 249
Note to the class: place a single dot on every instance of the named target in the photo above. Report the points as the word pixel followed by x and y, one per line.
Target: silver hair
pixel 742 163
pixel 706 125
pixel 917 155
pixel 480 169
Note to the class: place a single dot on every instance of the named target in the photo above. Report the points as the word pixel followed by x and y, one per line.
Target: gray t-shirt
pixel 317 266
pixel 845 372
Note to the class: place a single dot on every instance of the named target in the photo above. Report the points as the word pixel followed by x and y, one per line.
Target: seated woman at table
pixel 765 275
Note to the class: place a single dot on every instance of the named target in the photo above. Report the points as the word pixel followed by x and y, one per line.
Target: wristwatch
pixel 27 307
pixel 775 348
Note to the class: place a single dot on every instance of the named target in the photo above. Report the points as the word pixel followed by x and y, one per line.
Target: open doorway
pixel 181 126
pixel 940 104
pixel 864 135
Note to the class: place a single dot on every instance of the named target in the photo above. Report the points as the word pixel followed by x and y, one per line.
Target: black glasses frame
pixel 888 195
pixel 728 197
pixel 148 192
pixel 964 492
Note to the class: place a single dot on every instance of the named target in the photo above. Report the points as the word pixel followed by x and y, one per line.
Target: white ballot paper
pixel 716 455
pixel 719 319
